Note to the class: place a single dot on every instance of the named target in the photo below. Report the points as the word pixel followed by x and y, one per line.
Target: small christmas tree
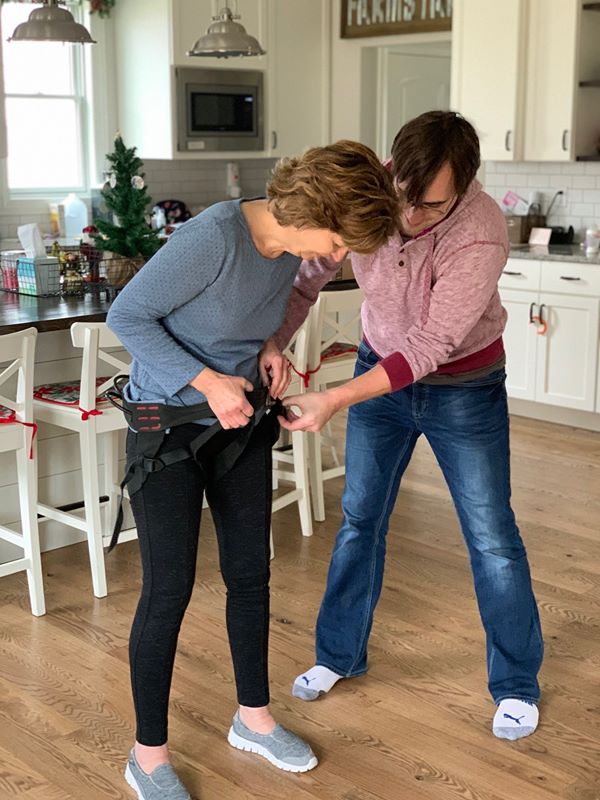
pixel 125 195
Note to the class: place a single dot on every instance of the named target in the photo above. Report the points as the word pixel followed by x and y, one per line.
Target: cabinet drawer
pixel 520 274
pixel 571 278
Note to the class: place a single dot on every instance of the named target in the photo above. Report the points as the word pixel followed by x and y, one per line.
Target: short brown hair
pixel 343 188
pixel 426 143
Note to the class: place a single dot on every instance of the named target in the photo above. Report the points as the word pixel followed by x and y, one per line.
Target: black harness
pixel 151 421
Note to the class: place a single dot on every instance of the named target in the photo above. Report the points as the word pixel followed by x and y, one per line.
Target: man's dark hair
pixel 426 143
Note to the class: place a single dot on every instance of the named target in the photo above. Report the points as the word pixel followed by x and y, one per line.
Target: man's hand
pixel 226 397
pixel 316 409
pixel 274 369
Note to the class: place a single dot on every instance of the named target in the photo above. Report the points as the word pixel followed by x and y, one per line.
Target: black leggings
pixel 167 513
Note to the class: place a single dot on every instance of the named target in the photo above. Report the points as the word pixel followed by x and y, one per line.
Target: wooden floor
pixel 417 727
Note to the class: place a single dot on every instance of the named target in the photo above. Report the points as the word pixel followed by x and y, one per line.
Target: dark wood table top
pixel 19 311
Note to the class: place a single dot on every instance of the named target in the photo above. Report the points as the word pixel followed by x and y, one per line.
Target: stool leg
pixel 316 476
pixel 300 453
pixel 27 479
pixel 111 482
pixel 91 497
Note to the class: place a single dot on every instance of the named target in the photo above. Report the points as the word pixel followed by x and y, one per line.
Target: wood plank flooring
pixel 417 727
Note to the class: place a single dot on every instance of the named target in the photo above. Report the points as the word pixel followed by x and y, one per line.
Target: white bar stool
pixel 17 433
pixel 78 406
pixel 291 465
pixel 334 336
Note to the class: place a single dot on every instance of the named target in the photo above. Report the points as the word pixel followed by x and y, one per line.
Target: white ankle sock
pixel 317 681
pixel 515 719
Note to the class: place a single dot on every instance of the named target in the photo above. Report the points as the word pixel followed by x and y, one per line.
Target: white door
pixel 487 66
pixel 520 342
pixel 567 359
pixel 551 80
pixel 411 84
pixel 298 78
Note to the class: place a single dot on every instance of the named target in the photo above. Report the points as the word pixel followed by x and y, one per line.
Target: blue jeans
pixel 468 430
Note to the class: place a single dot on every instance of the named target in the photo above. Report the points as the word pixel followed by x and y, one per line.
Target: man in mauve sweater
pixel 432 363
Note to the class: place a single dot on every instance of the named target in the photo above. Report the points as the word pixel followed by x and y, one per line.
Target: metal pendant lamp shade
pixel 225 38
pixel 51 23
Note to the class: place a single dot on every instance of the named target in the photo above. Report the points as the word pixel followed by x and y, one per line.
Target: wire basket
pixel 78 271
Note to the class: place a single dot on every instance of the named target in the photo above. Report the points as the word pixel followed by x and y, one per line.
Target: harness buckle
pixel 152 464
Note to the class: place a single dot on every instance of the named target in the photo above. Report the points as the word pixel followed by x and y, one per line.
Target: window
pixel 45 119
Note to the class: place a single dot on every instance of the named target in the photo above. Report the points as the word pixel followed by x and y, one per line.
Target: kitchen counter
pixel 20 311
pixel 553 252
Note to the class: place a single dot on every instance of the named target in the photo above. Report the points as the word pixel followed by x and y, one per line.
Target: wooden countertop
pixel 19 311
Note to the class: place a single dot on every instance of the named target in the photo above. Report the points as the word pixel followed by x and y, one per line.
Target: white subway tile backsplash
pixel 584 182
pixel 580 179
pixel 196 183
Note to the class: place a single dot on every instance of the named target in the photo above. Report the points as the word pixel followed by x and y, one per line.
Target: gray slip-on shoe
pixel 161 784
pixel 281 747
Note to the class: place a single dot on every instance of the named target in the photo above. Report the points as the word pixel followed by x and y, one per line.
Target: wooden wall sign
pixel 387 17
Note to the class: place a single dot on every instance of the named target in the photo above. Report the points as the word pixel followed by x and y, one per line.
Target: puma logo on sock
pixel 307 680
pixel 514 719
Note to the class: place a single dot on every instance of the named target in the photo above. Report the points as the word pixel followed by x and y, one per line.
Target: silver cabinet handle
pixel 273 140
pixel 507 140
pixel 564 139
pixel 569 278
pixel 509 272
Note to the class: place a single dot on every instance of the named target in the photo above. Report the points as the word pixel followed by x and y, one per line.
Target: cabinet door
pixel 520 341
pixel 567 355
pixel 191 19
pixel 551 80
pixel 487 61
pixel 298 75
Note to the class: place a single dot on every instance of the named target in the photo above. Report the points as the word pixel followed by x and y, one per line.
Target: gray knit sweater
pixel 207 298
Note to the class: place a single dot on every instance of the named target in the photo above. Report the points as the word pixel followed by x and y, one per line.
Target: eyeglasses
pixel 432 210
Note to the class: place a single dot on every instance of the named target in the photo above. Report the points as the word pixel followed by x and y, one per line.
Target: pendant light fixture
pixel 225 38
pixel 51 23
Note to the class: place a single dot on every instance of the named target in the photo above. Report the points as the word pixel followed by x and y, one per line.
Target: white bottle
pixel 592 241
pixel 75 215
pixel 233 180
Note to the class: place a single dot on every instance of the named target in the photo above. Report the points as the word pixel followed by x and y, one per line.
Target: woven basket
pixel 121 269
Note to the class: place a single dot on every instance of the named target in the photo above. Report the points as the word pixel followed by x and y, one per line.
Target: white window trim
pixel 101 107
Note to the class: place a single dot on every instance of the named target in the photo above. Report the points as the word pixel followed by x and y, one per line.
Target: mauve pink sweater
pixel 431 303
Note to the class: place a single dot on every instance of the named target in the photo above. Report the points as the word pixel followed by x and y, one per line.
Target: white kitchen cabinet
pixel 298 83
pixel 487 65
pixel 567 355
pixel 520 343
pixel 558 366
pixel 151 41
pixel 527 74
pixel 551 79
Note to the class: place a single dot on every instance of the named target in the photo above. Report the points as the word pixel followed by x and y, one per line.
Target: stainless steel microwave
pixel 219 109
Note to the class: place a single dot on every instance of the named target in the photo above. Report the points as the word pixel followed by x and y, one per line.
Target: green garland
pixel 100 7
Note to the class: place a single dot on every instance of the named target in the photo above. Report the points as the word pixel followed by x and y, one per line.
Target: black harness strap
pixel 152 420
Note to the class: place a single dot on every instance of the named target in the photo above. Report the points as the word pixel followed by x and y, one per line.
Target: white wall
pixel 351 107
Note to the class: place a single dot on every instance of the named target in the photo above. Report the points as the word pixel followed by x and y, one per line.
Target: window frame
pixel 97 119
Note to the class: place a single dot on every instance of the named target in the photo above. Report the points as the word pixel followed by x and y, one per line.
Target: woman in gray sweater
pixel 195 320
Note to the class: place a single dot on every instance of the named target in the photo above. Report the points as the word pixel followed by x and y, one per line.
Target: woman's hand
pixel 274 369
pixel 226 397
pixel 316 409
